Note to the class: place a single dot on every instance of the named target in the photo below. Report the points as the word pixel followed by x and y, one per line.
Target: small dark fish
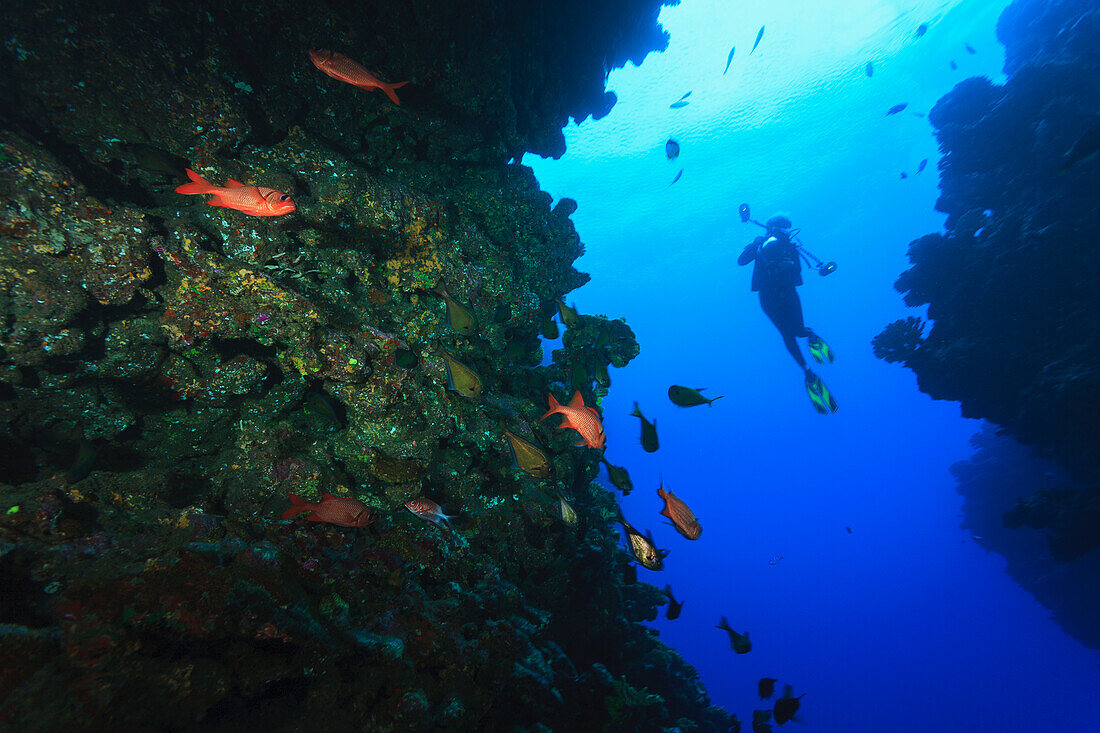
pixel 550 328
pixel 1085 147
pixel 729 60
pixel 686 95
pixel 969 48
pixel 849 529
pixel 688 397
pixel 904 175
pixel 919 114
pixel 897 108
pixel 787 706
pixel 405 359
pixel 568 513
pixel 870 69
pixel 599 373
pixel 757 41
pixel 740 643
pixel 529 457
pixel 954 66
pixel 603 338
pixel 461 378
pixel 766 687
pixel 568 315
pixel 775 559
pixel 322 406
pixel 578 376
pixel 619 478
pixel 674 606
pixel 86 453
pixel 460 317
pixel 678 105
pixel 155 160
pixel 672 148
pixel 677 176
pixel 649 431
pixel 502 313
pixel 735 724
pixel 760 720
pixel 922 29
pixel 642 547
pixel 921 166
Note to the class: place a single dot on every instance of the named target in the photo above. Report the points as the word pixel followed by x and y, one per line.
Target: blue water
pixel 905 624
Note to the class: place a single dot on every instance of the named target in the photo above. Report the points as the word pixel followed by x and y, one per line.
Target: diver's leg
pixel 796 315
pixel 777 306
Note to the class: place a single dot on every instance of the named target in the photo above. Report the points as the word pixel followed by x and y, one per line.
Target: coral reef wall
pixel 1011 283
pixel 170 372
pixel 991 482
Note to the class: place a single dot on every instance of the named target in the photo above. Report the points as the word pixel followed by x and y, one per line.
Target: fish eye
pixel 284 197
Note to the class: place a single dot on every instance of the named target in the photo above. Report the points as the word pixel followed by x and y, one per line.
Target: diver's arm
pixel 748 254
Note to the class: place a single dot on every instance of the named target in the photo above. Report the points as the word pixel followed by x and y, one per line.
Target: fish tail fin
pixel 637 411
pixel 197 185
pixel 710 402
pixel 297 506
pixel 555 406
pixel 388 90
pixel 724 625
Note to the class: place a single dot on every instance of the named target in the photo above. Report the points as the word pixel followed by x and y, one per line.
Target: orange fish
pixel 342 511
pixel 580 417
pixel 252 200
pixel 680 515
pixel 341 68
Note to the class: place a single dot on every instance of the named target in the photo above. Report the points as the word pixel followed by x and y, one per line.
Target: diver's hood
pixel 779 222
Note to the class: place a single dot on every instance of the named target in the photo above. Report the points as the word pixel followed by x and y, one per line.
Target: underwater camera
pixel 826 268
pixel 745 214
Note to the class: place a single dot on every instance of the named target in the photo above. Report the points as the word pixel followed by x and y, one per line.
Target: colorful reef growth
pixel 171 372
pixel 1011 284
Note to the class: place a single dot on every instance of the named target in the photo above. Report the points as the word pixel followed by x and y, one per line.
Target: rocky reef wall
pixel 171 372
pixel 1011 282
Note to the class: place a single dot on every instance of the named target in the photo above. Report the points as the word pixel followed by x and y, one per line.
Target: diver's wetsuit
pixel 777 273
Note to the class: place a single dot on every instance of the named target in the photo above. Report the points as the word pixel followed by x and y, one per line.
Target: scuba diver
pixel 778 271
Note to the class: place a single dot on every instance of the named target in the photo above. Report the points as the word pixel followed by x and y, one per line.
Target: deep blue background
pixel 905 624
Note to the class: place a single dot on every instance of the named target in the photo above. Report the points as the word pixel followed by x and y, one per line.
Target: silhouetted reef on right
pixel 1011 284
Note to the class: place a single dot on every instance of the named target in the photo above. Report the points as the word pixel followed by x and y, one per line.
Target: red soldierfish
pixel 428 510
pixel 341 68
pixel 682 518
pixel 342 511
pixel 253 200
pixel 580 417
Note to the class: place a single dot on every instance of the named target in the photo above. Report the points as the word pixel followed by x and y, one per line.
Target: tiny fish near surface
pixel 757 42
pixel 729 60
pixel 896 108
